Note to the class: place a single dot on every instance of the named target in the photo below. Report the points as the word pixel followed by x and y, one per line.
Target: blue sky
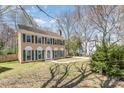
pixel 43 19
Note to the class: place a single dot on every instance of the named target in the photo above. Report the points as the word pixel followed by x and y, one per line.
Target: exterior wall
pixel 22 45
pixel 19 47
pixel 10 57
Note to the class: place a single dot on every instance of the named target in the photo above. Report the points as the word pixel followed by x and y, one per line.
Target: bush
pixel 108 61
pixel 8 51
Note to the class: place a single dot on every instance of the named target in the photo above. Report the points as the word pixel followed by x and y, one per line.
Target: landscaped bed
pixel 38 74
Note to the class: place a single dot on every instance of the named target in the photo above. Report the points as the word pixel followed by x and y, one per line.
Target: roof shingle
pixel 28 28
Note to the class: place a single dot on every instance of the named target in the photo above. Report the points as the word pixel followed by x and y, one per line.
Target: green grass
pixel 15 68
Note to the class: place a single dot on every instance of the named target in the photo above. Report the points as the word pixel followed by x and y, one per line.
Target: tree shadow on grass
pixel 61 75
pixel 3 69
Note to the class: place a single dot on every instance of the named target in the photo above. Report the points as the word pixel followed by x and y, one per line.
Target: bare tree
pixel 66 24
pixel 83 27
pixel 106 20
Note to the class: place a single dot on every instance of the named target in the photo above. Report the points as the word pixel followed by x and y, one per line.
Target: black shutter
pixel 42 54
pixel 53 41
pixel 24 37
pixel 36 54
pixel 32 54
pixel 32 39
pixel 36 39
pixel 42 40
pixel 24 55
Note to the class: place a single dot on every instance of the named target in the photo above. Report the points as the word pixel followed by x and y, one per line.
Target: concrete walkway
pixel 71 60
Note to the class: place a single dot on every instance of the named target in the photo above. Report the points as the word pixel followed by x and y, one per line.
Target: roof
pixel 45 32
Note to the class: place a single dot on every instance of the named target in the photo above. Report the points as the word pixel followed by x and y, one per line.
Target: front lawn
pixel 14 68
pixel 50 74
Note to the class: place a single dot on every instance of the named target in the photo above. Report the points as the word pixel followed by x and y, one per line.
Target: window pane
pixel 39 40
pixel 28 38
pixel 48 54
pixel 53 41
pixel 28 55
pixel 45 40
pixel 48 40
pixel 39 54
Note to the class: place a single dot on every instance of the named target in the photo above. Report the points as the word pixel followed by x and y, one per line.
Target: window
pixel 39 54
pixel 48 40
pixel 28 38
pixel 53 41
pixel 63 42
pixel 39 40
pixel 60 42
pixel 55 54
pixel 48 54
pixel 61 53
pixel 57 41
pixel 28 54
pixel 45 40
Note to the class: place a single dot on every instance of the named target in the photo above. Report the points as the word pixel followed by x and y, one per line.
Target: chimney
pixel 60 32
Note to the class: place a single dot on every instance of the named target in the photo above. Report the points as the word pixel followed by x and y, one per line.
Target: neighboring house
pixel 91 47
pixel 36 45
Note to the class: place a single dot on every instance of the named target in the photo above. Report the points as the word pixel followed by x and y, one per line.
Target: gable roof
pixel 45 32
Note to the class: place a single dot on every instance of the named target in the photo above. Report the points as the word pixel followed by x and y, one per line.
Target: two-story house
pixel 37 45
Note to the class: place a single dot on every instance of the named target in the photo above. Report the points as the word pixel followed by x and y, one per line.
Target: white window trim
pixel 30 38
pixel 28 48
pixel 38 54
pixel 26 55
pixel 49 49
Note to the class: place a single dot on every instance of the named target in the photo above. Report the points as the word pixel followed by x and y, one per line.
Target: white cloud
pixel 43 23
pixel 52 21
pixel 40 21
